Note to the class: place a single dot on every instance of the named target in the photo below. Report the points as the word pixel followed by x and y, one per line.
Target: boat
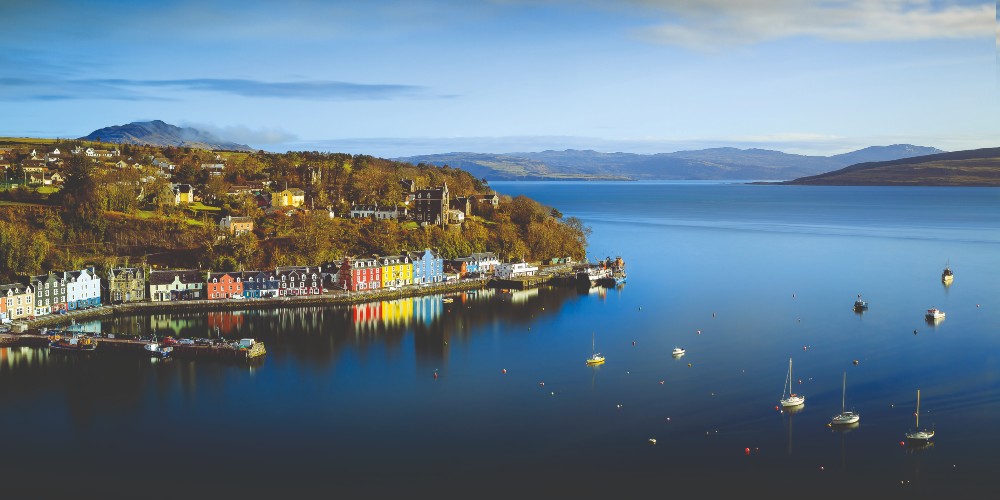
pixel 788 398
pixel 75 343
pixel 678 351
pixel 592 274
pixel 596 358
pixel 447 300
pixel 919 436
pixel 860 305
pixel 947 276
pixel 934 314
pixel 845 417
pixel 158 350
pixel 616 275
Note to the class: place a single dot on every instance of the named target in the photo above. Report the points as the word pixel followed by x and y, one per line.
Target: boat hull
pixel 846 418
pixel 793 401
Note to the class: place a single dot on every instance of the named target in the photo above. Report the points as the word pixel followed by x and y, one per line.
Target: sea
pixel 490 396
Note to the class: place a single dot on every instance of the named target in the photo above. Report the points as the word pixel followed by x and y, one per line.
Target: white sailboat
pixel 789 399
pixel 845 417
pixel 595 358
pixel 919 436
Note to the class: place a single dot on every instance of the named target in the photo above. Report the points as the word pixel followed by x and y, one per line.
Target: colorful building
pixel 50 293
pixel 83 289
pixel 299 280
pixel 428 267
pixel 397 270
pixel 293 197
pixel 16 301
pixel 363 273
pixel 260 285
pixel 223 285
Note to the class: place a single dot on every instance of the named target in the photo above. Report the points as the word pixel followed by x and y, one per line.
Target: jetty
pixel 224 351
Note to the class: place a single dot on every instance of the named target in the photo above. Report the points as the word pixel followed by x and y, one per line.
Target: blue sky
pixel 394 78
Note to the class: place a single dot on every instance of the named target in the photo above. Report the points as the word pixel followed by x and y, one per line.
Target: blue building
pixel 260 285
pixel 428 267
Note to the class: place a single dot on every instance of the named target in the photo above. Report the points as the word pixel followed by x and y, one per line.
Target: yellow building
pixel 293 197
pixel 397 270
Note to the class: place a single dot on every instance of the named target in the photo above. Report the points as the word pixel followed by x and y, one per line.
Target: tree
pixel 81 208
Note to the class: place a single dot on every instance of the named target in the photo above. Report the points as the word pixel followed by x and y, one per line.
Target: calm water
pixel 744 277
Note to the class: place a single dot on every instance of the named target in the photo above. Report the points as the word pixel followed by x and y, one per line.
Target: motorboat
pixel 934 314
pixel 678 351
pixel 158 350
pixel 76 342
pixel 860 305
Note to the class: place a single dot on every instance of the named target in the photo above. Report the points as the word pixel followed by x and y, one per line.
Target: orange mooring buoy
pixel 747 451
pixel 503 371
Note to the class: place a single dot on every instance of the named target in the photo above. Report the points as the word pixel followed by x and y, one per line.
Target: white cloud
pixel 713 24
pixel 245 135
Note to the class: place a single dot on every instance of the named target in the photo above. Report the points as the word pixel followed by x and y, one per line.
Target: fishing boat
pixel 934 314
pixel 845 417
pixel 860 305
pixel 788 398
pixel 595 358
pixel 678 351
pixel 158 350
pixel 919 436
pixel 75 343
pixel 947 275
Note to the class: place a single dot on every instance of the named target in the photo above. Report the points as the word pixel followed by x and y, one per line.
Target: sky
pixel 397 78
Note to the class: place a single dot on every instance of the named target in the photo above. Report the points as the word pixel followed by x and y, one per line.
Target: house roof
pixel 166 276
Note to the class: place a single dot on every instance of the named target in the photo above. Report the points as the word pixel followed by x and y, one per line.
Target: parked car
pixel 186 341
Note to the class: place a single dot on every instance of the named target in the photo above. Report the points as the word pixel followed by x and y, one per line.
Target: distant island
pixel 975 167
pixel 160 134
pixel 703 164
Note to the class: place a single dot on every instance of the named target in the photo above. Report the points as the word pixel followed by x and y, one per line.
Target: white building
pixel 83 289
pixel 509 270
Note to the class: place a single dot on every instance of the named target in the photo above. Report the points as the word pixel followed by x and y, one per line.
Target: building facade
pixel 220 286
pixel 50 293
pixel 397 270
pixel 83 289
pixel 428 267
pixel 17 301
pixel 357 274
pixel 430 205
pixel 126 284
pixel 299 280
pixel 236 225
pixel 176 284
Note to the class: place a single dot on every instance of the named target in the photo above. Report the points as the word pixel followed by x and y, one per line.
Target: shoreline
pixel 337 297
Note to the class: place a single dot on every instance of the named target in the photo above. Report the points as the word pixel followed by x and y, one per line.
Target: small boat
pixel 845 417
pixel 158 350
pixel 934 314
pixel 596 358
pixel 860 305
pixel 447 300
pixel 947 276
pixel 919 436
pixel 75 343
pixel 678 351
pixel 788 398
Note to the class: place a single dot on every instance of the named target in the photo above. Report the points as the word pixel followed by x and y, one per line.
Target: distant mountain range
pixel 158 133
pixel 703 164
pixel 974 167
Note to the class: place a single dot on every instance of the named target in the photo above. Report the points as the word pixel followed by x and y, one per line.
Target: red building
pixel 223 285
pixel 360 274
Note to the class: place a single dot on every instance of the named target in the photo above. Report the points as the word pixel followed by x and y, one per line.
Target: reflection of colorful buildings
pixel 398 312
pixel 227 322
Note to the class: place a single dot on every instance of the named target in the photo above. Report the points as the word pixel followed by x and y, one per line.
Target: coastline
pixel 337 297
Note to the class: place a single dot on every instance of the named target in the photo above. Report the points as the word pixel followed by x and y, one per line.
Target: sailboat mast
pixel 918 409
pixel 843 394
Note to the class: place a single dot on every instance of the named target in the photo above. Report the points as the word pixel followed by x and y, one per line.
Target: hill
pixel 160 134
pixel 975 167
pixel 704 164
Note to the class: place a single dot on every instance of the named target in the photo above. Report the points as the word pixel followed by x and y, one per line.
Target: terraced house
pixel 260 285
pixel 223 285
pixel 126 284
pixel 50 293
pixel 299 280
pixel 16 301
pixel 363 273
pixel 428 267
pixel 83 289
pixel 176 284
pixel 397 270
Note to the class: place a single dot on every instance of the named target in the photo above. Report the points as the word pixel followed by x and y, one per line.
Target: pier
pixel 185 351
